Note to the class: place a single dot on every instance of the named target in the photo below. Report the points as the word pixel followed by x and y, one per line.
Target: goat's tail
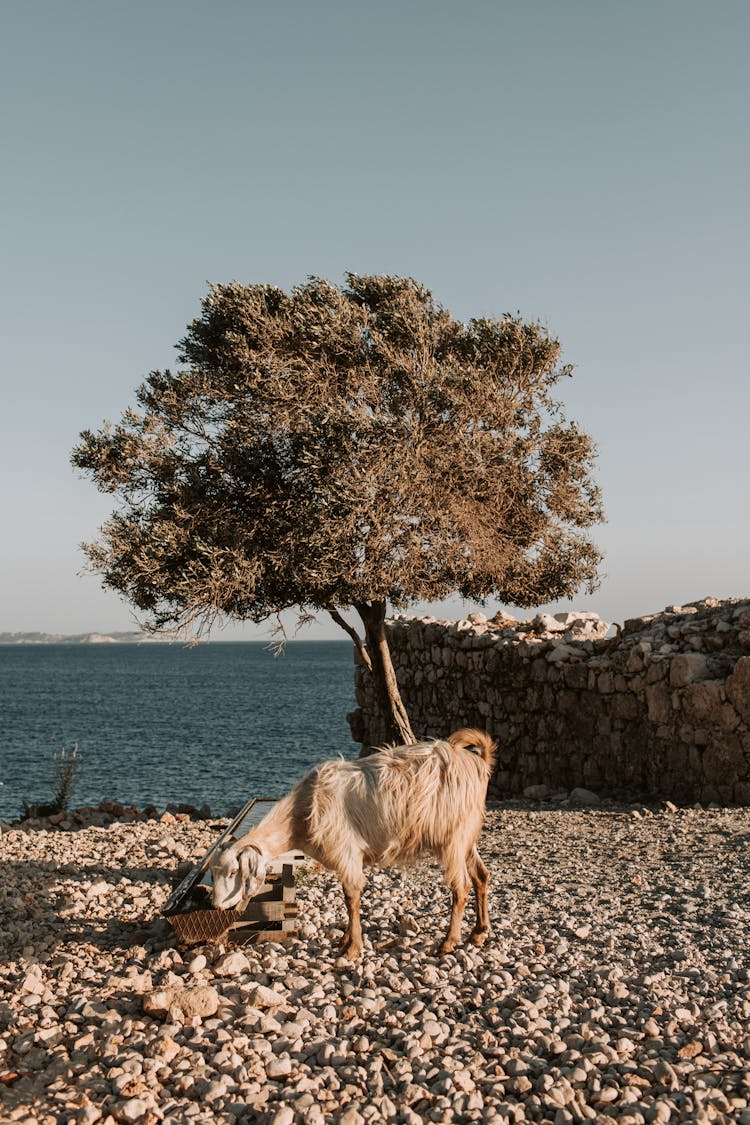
pixel 478 741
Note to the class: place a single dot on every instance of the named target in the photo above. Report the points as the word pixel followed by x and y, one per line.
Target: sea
pixel 160 723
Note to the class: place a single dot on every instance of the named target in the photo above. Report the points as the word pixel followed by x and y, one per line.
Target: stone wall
pixel 662 709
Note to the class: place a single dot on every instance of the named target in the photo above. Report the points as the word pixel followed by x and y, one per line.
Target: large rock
pixel 569 619
pixel 231 964
pixel 546 623
pixel 582 626
pixel 586 797
pixel 260 996
pixel 181 1003
pixel 537 792
pixel 587 630
pixel 560 652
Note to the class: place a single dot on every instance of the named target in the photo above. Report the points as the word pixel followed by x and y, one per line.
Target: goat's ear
pixel 248 860
pixel 244 861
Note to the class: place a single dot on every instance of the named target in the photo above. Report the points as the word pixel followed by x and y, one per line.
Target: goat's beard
pixel 234 888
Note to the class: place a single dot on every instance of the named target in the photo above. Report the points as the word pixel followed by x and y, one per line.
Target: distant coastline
pixel 142 638
pixel 79 638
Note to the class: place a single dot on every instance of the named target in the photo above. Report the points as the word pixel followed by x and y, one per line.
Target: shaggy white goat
pixel 386 809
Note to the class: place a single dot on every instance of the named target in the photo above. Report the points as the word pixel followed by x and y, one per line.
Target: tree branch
pixel 334 613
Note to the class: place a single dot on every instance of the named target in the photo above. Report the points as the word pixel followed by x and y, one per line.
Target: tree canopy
pixel 344 447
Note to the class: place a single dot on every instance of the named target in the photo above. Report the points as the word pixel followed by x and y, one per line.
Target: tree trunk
pixel 398 727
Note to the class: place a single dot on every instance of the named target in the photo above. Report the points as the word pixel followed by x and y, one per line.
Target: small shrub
pixel 66 768
pixel 306 872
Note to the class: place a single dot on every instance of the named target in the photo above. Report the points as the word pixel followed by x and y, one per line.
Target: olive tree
pixel 344 449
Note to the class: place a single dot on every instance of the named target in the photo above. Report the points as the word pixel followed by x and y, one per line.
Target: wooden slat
pixel 277 864
pixel 265 911
pixel 255 937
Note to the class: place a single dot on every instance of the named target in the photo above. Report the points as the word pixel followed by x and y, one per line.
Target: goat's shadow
pixel 43 886
pixel 45 905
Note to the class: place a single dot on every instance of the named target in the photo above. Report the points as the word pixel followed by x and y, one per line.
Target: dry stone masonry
pixel 660 709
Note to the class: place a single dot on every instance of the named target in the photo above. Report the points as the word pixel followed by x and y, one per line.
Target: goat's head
pixel 237 876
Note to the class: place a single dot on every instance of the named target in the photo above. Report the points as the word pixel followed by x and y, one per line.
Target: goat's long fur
pixel 386 809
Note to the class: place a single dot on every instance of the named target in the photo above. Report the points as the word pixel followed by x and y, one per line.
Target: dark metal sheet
pixel 257 806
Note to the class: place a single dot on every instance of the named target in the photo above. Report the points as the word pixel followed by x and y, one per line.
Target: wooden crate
pixel 269 916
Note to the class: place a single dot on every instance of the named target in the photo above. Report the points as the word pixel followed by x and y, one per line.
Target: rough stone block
pixel 537 792
pixel 568 702
pixel 575 675
pixel 561 651
pixel 738 688
pixel 659 703
pixel 724 760
pixel 657 669
pixel 687 668
pixel 592 773
pixel 639 655
pixel 605 683
pixel 701 701
pixel 625 706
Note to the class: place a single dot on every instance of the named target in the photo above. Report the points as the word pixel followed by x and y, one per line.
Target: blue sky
pixel 583 163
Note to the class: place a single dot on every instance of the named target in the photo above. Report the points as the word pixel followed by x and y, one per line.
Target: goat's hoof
pixel 479 937
pixel 446 947
pixel 350 952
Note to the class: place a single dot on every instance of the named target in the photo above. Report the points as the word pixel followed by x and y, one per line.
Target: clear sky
pixel 584 163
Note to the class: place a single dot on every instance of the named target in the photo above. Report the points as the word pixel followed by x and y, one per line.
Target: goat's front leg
pixel 460 894
pixel 480 878
pixel 351 946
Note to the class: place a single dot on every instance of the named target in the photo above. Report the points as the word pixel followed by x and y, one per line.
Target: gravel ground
pixel 615 985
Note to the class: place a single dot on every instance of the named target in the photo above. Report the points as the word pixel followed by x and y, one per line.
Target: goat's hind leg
pixel 480 878
pixel 459 887
pixel 351 945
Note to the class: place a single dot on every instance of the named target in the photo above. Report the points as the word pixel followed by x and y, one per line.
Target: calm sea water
pixel 156 723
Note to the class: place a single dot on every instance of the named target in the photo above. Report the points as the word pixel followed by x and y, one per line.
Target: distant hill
pixel 76 638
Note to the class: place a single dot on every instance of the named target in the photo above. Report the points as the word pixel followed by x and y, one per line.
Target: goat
pixel 386 809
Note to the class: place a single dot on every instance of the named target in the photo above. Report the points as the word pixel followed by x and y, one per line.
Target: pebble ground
pixel 615 984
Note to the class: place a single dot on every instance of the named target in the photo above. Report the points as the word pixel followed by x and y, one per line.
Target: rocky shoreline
pixel 105 813
pixel 615 985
